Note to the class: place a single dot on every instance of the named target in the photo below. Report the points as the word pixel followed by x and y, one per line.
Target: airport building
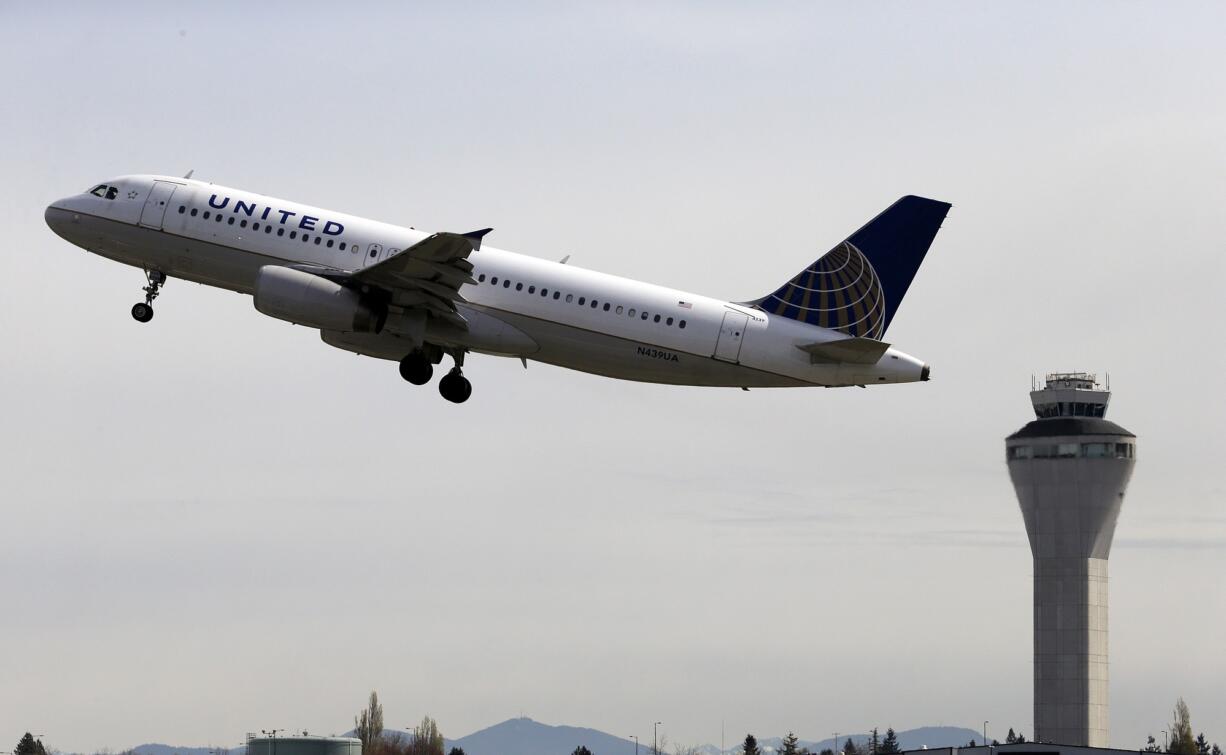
pixel 1022 748
pixel 1070 468
pixel 304 744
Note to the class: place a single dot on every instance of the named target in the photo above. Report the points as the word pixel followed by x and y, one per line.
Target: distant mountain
pixel 523 736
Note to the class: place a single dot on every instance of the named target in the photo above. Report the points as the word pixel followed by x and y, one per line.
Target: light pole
pixel 1166 745
pixel 636 744
pixel 655 738
pixel 836 749
pixel 985 733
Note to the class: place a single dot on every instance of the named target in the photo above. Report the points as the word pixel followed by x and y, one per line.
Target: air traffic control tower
pixel 1070 467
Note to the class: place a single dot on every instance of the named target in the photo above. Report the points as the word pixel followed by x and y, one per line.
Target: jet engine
pixel 305 299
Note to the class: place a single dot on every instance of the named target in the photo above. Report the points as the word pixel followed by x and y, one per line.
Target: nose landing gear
pixel 143 312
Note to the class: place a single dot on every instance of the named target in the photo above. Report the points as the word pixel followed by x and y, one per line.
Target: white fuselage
pixel 635 331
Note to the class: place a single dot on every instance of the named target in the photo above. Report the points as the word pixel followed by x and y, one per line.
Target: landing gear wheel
pixel 142 312
pixel 416 369
pixel 455 387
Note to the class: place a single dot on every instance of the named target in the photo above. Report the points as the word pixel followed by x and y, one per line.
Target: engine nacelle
pixel 306 299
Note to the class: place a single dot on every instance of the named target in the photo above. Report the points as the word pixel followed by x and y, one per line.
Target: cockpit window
pixel 103 191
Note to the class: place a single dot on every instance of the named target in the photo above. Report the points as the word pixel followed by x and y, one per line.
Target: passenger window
pixel 267 229
pixel 306 237
pixel 519 287
pixel 242 223
pixel 606 306
pixel 331 242
pixel 194 211
pixel 644 316
pixel 218 217
pixel 255 226
pixel 544 292
pixel 294 235
pixel 506 283
pixel 580 301
pixel 657 318
pixel 206 214
pixel 556 294
pixel 619 309
pixel 280 231
pixel 669 321
pixel 532 289
pixel 230 220
pixel 343 247
pixel 570 298
pixel 632 312
pixel 318 239
pixel 481 278
pixel 681 325
pixel 112 192
pixel 182 209
pixel 494 280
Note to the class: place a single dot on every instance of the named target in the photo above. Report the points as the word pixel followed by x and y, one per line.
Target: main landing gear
pixel 143 312
pixel 418 367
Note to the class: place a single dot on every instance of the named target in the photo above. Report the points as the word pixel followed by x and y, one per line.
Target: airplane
pixel 413 297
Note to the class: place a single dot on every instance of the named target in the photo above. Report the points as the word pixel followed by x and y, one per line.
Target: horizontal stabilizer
pixel 847 350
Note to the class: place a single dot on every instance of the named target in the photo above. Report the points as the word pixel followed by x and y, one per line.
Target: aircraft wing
pixel 427 275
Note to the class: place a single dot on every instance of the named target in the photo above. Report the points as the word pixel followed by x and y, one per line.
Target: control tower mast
pixel 1070 468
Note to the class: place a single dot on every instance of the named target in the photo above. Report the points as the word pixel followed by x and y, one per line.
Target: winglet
pixel 189 173
pixel 476 236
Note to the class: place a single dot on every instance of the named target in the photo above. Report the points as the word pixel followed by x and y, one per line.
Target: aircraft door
pixel 372 253
pixel 156 203
pixel 731 336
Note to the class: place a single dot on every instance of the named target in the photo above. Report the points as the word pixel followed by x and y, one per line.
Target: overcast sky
pixel 215 523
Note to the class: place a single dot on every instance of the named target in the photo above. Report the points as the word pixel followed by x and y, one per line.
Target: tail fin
pixel 857 286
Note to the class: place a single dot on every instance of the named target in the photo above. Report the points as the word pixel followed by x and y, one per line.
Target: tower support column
pixel 1070 650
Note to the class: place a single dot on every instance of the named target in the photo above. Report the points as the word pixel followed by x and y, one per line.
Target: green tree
pixel 789 745
pixel 826 751
pixel 1021 738
pixel 1202 744
pixel 874 743
pixel 1182 742
pixel 750 746
pixel 427 740
pixel 1151 745
pixel 29 746
pixel 1010 738
pixel 581 750
pixel 369 723
pixel 849 748
pixel 457 751
pixel 1216 750
pixel 889 745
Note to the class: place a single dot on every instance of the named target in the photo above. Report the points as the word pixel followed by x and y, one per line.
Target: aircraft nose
pixel 59 218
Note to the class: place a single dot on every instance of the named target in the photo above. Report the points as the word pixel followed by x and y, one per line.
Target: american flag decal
pixel 685 305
